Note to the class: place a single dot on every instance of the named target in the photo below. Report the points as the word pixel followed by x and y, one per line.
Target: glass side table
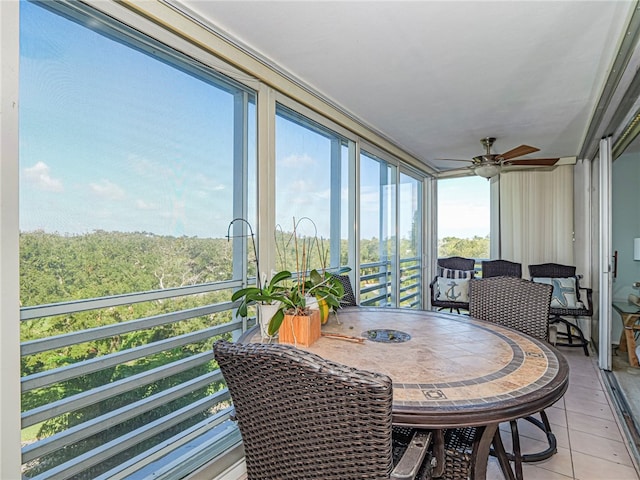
pixel 630 314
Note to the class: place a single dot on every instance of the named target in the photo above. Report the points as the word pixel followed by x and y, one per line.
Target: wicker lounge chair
pixel 501 268
pixel 458 264
pixel 524 306
pixel 301 416
pixel 573 334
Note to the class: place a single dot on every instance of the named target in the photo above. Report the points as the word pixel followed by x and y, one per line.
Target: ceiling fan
pixel 490 164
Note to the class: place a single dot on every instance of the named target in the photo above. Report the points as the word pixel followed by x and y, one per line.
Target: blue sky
pixel 463 207
pixel 157 159
pixel 145 163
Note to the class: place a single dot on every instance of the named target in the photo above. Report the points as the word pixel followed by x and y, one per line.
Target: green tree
pixel 476 247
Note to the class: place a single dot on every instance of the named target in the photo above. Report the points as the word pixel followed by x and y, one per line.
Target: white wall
pixel 626 227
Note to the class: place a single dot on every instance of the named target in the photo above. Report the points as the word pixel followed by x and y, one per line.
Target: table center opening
pixel 386 335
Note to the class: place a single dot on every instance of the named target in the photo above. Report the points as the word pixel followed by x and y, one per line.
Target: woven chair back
pixel 457 263
pixel 551 270
pixel 513 302
pixel 301 416
pixel 501 268
pixel 348 298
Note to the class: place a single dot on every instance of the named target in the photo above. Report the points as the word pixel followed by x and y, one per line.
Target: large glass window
pixel 311 193
pixel 464 217
pixel 133 161
pixel 410 241
pixel 377 231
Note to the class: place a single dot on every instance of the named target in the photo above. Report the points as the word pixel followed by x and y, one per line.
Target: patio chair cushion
pixel 453 289
pixel 565 292
pixel 451 273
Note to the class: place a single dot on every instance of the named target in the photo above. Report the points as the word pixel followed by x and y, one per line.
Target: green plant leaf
pixel 275 322
pixel 315 277
pixel 278 277
pixel 244 292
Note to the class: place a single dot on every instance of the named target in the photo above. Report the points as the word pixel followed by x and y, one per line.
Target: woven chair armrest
pixel 589 292
pixel 432 287
pixel 411 461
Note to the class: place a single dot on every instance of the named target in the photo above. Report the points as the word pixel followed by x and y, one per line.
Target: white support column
pixel 266 211
pixel 354 217
pixel 430 238
pixel 9 244
pixel 605 256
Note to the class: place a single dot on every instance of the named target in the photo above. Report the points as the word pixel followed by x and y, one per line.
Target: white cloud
pixel 40 176
pixel 207 183
pixel 148 168
pixel 108 190
pixel 295 160
pixel 143 205
pixel 300 187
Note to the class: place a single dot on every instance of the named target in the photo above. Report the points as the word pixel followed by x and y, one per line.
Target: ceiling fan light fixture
pixel 487 171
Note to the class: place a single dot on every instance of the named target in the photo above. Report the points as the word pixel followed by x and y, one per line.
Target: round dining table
pixel 448 371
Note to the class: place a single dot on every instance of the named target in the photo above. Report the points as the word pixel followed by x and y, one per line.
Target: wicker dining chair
pixel 524 306
pixel 301 416
pixel 584 308
pixel 348 298
pixel 452 264
pixel 501 268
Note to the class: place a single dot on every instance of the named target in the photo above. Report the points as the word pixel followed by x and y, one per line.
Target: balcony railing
pixel 156 392
pixel 376 284
pixel 143 393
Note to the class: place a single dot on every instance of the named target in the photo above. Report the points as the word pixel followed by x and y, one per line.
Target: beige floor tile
pixel 590 444
pixel 594 409
pixel 560 463
pixel 559 404
pixel 600 447
pixel 493 470
pixel 589 381
pixel 577 370
pixel 596 426
pixel 557 416
pixel 592 468
pixel 534 472
pixel 574 359
pixel 527 429
pixel 562 436
pixel 577 392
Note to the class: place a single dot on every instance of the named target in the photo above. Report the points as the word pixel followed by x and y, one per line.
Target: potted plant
pixel 269 301
pixel 300 323
pixel 301 304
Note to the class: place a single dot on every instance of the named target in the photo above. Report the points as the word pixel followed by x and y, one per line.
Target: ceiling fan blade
pixel 518 152
pixel 452 160
pixel 457 169
pixel 534 162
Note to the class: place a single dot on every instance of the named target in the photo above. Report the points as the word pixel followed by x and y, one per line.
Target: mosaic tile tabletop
pixel 450 363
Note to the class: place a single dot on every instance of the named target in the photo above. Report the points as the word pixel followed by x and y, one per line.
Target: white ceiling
pixel 435 77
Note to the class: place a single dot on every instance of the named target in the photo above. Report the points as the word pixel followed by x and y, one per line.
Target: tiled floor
pixel 590 443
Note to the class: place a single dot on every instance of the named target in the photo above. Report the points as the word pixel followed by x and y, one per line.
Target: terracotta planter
pixel 300 330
